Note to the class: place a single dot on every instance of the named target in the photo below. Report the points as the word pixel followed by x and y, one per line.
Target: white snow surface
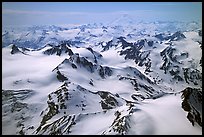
pixel 34 71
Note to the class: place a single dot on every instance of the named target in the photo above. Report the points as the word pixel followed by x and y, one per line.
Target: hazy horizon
pixel 56 13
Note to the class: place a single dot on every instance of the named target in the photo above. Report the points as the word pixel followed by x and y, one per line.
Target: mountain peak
pixel 123 20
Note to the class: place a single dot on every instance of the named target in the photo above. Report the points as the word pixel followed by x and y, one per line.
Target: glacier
pixel 122 78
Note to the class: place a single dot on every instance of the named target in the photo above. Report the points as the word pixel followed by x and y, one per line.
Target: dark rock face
pixel 58 50
pixel 124 43
pixel 174 37
pixel 171 66
pixel 75 61
pixel 108 101
pixel 200 33
pixel 137 73
pixel 177 36
pixel 168 57
pixel 200 61
pixel 13 105
pixel 82 61
pixel 91 82
pixel 192 103
pixel 108 71
pixel 160 37
pixel 120 124
pixel 15 50
pixel 59 101
pixel 108 45
pixel 74 66
pixel 149 91
pixel 115 44
pixel 192 75
pixel 104 71
pixel 132 81
pixel 53 129
pixel 175 73
pixel 150 43
pixel 54 107
pixel 14 96
pixel 101 71
pixel 61 77
pixel 134 52
pixel 95 54
pixel 51 51
pixel 104 27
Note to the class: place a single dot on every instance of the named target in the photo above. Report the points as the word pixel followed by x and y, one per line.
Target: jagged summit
pixel 123 20
pixel 122 79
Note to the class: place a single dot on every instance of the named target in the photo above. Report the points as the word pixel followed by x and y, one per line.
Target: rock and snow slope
pixel 102 80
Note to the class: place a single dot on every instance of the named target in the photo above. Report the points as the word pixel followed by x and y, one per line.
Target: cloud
pixel 26 17
pixel 45 16
pixel 9 11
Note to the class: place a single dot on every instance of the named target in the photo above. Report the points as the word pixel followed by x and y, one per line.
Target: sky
pixel 57 13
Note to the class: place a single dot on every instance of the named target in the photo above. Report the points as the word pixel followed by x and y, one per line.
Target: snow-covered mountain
pixel 140 78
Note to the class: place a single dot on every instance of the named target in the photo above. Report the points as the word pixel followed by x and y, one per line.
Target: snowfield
pixel 85 80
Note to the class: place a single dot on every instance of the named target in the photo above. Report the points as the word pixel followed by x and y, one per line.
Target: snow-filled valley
pixel 136 79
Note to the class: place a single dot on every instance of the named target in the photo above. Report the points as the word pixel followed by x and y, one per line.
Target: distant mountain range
pixel 95 79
